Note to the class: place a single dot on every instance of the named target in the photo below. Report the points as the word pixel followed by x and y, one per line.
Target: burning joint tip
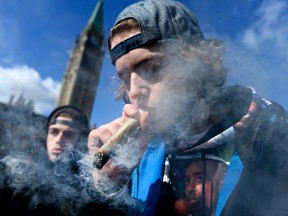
pixel 104 153
pixel 99 160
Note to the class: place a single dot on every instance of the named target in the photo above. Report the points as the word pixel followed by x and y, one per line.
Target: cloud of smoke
pixel 27 172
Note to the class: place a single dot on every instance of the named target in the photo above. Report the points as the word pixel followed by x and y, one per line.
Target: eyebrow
pixel 196 173
pixel 143 62
pixel 55 127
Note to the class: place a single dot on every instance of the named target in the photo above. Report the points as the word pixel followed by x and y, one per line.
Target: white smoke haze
pixel 125 156
pixel 28 173
pixel 25 81
pixel 52 186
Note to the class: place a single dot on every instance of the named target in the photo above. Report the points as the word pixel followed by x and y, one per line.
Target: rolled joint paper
pixel 105 151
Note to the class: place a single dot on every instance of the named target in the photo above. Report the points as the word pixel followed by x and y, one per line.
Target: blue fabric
pixel 231 178
pixel 147 177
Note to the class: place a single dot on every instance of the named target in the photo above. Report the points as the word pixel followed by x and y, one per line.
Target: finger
pixel 131 111
pixel 100 135
pixel 94 141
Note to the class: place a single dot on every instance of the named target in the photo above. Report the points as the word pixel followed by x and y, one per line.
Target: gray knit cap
pixel 158 20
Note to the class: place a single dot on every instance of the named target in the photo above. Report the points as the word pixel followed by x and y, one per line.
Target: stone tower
pixel 79 86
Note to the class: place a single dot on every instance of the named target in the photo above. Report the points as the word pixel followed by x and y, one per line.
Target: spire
pixel 95 22
pixel 83 70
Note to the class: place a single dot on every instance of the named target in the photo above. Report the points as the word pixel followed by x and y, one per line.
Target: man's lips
pixel 193 200
pixel 56 151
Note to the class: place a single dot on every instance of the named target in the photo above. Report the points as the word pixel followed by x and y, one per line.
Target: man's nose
pixel 191 186
pixel 60 137
pixel 135 86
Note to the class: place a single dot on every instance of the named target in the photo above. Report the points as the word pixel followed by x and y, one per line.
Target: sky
pixel 36 38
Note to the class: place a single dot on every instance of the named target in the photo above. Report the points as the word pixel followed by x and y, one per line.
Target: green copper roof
pixel 96 20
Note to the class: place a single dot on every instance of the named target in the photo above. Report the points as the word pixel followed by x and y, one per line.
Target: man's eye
pixel 54 132
pixel 152 72
pixel 199 179
pixel 149 74
pixel 68 134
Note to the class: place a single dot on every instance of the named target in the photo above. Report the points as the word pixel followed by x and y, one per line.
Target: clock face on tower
pixel 94 40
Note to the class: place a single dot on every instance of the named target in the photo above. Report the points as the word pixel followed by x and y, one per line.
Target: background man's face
pixel 61 138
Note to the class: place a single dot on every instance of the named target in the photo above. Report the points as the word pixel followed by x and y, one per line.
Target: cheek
pixel 176 89
pixel 198 190
pixel 187 189
pixel 168 98
pixel 49 144
pixel 49 139
pixel 74 141
pixel 170 92
pixel 173 101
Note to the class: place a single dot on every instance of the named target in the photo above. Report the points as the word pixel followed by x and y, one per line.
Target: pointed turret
pixel 95 22
pixel 79 86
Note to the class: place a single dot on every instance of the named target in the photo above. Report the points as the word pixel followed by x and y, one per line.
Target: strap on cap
pixel 126 46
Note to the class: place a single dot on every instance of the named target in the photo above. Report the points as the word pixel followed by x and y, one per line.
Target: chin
pixel 195 204
pixel 198 211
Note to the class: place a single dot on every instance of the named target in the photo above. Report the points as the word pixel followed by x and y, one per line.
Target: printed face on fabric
pixel 193 199
pixel 61 138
